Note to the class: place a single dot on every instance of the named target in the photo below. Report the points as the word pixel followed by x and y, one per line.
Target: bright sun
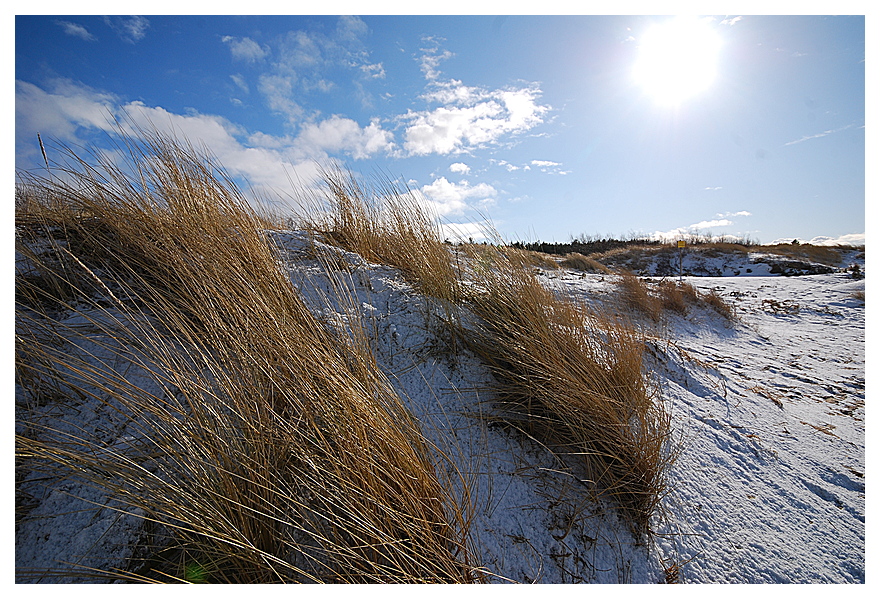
pixel 677 59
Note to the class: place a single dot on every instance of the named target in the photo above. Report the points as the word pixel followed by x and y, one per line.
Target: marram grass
pixel 264 448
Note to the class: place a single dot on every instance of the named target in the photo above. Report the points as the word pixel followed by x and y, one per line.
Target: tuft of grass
pixel 388 224
pixel 583 263
pixel 573 379
pixel 635 295
pixel 720 305
pixel 533 259
pixel 263 447
pixel 677 296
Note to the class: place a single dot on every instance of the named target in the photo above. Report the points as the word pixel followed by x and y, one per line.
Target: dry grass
pixel 719 304
pixel 668 296
pixel 635 295
pixel 534 259
pixel 829 256
pixel 265 447
pixel 387 224
pixel 631 257
pixel 719 248
pixel 573 379
pixel 677 297
pixel 583 263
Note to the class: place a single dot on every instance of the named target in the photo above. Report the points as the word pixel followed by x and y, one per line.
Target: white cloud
pixel 373 71
pixel 459 167
pixel 58 112
pixel 452 92
pixel 505 164
pixel 700 228
pixel 470 118
pixel 710 224
pixel 711 188
pixel 129 29
pixel 432 57
pixel 76 30
pixel 351 28
pixel 451 198
pixel 461 232
pixel 817 135
pixel 338 134
pixel 301 61
pixel 734 214
pixel 278 92
pixel 239 81
pixel 549 167
pixel 72 114
pixel 245 48
pixel 849 239
pixel 731 22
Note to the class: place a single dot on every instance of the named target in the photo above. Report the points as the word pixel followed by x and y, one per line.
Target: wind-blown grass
pixel 263 446
pixel 568 375
pixel 386 224
pixel 572 377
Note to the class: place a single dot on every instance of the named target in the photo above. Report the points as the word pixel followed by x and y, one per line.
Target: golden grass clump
pixel 573 379
pixel 636 296
pixel 389 225
pixel 677 297
pixel 264 447
pixel 533 259
pixel 717 303
pixel 583 263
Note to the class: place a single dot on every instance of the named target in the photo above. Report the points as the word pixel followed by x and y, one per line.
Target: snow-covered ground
pixel 768 412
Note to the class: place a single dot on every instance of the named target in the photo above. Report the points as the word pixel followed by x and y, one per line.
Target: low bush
pixel 676 297
pixel 718 303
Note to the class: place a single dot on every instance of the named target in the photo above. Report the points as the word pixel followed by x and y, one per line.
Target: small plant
pixel 677 297
pixel 534 259
pixel 389 225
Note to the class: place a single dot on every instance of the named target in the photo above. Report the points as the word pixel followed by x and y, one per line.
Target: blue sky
pixel 755 126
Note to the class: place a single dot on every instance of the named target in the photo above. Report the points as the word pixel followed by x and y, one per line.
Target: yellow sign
pixel 681 244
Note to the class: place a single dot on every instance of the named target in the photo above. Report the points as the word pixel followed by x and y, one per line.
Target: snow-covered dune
pixel 768 418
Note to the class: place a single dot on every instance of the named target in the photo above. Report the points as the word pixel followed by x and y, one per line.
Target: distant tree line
pixel 587 245
pixel 584 246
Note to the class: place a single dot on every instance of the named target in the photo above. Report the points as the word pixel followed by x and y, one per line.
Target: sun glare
pixel 677 59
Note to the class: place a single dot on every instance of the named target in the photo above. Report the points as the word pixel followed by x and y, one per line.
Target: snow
pixel 768 412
